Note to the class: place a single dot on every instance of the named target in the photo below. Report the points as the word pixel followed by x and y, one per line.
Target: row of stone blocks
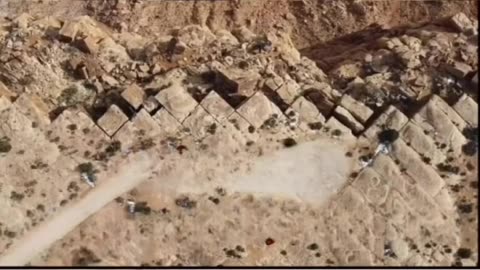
pixel 389 202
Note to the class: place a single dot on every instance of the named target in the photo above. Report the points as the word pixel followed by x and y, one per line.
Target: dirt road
pixel 47 233
pixel 318 170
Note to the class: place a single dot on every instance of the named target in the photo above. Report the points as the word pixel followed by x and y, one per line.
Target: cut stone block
pixel 323 103
pixel 459 69
pixel 33 106
pixel 289 91
pixel 217 106
pixel 258 109
pixel 392 118
pixel 387 169
pixel 360 111
pixel 307 112
pixel 422 143
pixel 345 117
pixel 88 45
pixel 423 174
pixel 112 120
pixel 177 101
pixel 4 103
pixel 68 32
pixel 432 119
pixel 345 133
pixel 454 117
pixel 374 187
pixel 145 124
pixel 166 121
pixel 236 81
pixel 467 108
pixel 274 83
pixel 461 22
pixel 134 95
pixel 150 104
pixel 200 122
pixel 242 125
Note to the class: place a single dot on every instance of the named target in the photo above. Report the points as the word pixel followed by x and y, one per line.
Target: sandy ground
pixel 309 172
pixel 40 239
pixel 318 170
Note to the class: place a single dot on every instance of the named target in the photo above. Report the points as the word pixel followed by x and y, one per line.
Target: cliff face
pixel 378 123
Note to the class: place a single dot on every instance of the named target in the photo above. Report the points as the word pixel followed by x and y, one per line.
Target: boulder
pixel 134 95
pixel 112 120
pixel 460 22
pixel 458 69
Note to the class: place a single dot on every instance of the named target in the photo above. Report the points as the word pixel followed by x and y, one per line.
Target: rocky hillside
pixel 78 96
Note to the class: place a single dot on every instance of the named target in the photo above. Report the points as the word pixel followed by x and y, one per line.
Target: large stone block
pixel 177 101
pixel 421 143
pixel 423 174
pixel 200 123
pixel 134 95
pixel 356 108
pixel 258 109
pixel 374 187
pixel 112 120
pixel 392 118
pixel 467 108
pixel 346 118
pixel 166 121
pixel 217 106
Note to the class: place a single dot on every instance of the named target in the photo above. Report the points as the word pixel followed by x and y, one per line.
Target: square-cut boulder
pixel 461 22
pixel 307 112
pixel 150 104
pixel 359 110
pixel 134 95
pixel 200 123
pixel 258 109
pixel 289 91
pixel 459 69
pixel 168 124
pixel 177 101
pixel 467 108
pixel 68 31
pixel 145 124
pixel 345 117
pixel 217 106
pixel 112 120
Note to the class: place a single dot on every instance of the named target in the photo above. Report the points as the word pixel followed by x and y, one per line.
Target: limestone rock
pixel 200 123
pixel 150 104
pixel 88 45
pixel 237 82
pixel 243 34
pixel 258 109
pixel 217 106
pixel 345 117
pixel 68 31
pixel 307 112
pixel 177 101
pixel 358 109
pixel 134 95
pixel 166 121
pixel 459 69
pixel 289 91
pixel 467 108
pixel 461 22
pixel 112 120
